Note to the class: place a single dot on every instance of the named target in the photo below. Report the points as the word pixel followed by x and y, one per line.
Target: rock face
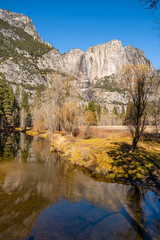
pixel 21 21
pixel 16 75
pixel 97 70
pixel 104 59
pixel 70 62
pixel 20 45
pixel 97 62
pixel 26 60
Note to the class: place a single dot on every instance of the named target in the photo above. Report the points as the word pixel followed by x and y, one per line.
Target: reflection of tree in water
pixel 25 145
pixel 18 212
pixel 15 145
pixel 134 198
pixel 41 150
pixel 42 153
pixel 91 208
pixel 9 145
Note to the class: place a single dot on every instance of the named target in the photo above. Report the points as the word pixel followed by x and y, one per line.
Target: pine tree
pixel 25 103
pixel 16 113
pixel 1 99
pixel 114 111
pixel 7 103
pixel 17 94
pixel 123 111
pixel 24 113
pixel 91 107
pixel 99 111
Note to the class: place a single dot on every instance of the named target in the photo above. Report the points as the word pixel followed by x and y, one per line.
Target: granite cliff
pixel 28 61
pixel 97 62
pixel 21 21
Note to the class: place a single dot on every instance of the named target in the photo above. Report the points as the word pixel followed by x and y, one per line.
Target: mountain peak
pixel 21 21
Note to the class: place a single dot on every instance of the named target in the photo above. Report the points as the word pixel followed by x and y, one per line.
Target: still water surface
pixel 42 197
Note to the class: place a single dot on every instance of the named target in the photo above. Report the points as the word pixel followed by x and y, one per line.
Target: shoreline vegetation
pixel 105 154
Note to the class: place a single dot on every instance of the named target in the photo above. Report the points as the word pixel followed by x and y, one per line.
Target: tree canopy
pixel 140 85
pixel 8 104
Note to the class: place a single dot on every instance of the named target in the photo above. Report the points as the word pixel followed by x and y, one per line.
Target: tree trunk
pixel 137 134
pixel 86 132
pixel 23 119
pixel 134 143
pixel 156 125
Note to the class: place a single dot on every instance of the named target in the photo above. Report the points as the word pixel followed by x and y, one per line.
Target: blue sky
pixel 81 24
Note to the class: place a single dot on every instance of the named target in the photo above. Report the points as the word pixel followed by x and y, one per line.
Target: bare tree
pixel 139 83
pixel 56 110
pixel 156 114
pixel 154 5
pixel 151 4
pixel 69 116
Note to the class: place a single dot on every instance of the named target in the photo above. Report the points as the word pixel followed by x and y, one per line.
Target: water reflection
pixel 43 197
pixel 9 144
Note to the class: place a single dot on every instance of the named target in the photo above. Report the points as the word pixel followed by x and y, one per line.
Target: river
pixel 42 197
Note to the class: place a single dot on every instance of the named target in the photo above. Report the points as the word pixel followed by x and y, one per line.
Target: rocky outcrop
pixel 97 62
pixel 20 46
pixel 97 70
pixel 137 56
pixel 28 61
pixel 104 59
pixel 21 21
pixel 17 75
pixel 69 62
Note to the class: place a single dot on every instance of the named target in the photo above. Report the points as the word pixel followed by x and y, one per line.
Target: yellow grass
pixel 33 133
pixel 110 157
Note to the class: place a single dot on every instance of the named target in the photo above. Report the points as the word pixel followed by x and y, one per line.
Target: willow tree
pixel 139 84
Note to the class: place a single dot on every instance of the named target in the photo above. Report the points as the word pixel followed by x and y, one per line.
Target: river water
pixel 43 197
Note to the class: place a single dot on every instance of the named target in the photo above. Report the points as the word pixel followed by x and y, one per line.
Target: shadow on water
pixel 43 197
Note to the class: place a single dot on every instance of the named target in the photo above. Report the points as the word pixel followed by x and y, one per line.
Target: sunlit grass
pixel 110 156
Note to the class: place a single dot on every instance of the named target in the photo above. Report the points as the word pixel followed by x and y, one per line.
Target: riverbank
pixel 109 158
pixel 49 187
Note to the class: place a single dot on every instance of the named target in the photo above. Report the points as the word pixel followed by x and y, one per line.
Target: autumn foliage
pixel 39 126
pixel 68 116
